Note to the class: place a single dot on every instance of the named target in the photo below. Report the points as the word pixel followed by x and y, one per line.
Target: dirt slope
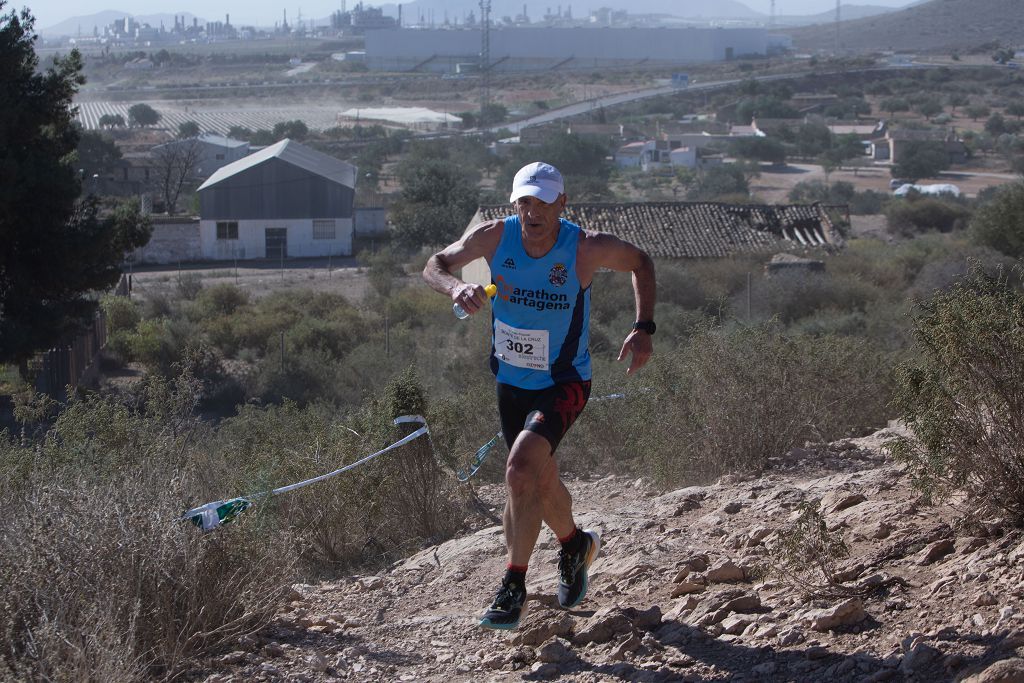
pixel 676 594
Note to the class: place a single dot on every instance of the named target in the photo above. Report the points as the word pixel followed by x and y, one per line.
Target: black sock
pixel 515 577
pixel 574 543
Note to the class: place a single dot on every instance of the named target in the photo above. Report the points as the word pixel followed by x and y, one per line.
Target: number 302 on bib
pixel 521 348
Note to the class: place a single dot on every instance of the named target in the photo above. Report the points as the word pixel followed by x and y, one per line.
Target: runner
pixel 543 266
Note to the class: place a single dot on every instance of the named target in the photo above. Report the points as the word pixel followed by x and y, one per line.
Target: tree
pixel 175 164
pixel 188 129
pixel 143 115
pixel 759 149
pixel 492 114
pixel 437 200
pixel 241 133
pixel 813 139
pixel 921 159
pixel 295 130
pixel 1003 55
pixel 111 121
pixel 56 250
pixel 96 154
pixel 717 182
pixel 765 107
pixel 996 124
pixel 957 100
pixel 999 223
pixel 929 107
pixel 977 111
pixel 1015 109
pixel 894 104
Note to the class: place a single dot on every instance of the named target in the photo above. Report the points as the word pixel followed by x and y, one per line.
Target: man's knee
pixel 526 471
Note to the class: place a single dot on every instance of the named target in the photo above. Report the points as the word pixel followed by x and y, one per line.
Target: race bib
pixel 521 348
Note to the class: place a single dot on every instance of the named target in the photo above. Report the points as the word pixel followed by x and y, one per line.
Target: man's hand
pixel 639 344
pixel 470 296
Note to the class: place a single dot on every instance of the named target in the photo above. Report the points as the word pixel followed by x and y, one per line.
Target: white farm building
pixel 529 49
pixel 286 200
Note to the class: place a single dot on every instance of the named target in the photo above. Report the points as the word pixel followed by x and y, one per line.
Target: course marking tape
pixel 212 515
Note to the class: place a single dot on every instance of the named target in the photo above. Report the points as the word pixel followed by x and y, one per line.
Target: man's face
pixel 539 218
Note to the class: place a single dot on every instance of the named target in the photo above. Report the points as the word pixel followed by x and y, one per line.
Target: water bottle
pixel 460 313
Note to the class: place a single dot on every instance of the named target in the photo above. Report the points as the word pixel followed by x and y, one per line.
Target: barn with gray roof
pixel 286 200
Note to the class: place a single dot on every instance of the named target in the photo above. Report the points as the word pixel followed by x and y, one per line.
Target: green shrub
pixel 189 286
pixel 155 345
pixel 101 582
pixel 733 397
pixel 122 313
pixel 918 214
pixel 793 296
pixel 219 300
pixel 999 222
pixel 961 396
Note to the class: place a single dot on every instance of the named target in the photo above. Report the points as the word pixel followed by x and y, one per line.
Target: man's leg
pixel 535 494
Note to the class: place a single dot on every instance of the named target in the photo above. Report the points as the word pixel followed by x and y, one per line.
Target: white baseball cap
pixel 539 180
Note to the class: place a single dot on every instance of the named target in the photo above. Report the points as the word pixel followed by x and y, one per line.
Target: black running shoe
pixel 572 569
pixel 508 608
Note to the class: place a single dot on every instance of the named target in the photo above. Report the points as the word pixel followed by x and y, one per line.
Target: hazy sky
pixel 50 12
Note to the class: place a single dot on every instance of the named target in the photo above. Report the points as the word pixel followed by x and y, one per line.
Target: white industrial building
pixel 527 49
pixel 286 200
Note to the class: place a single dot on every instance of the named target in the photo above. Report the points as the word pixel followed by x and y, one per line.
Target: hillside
pixel 938 25
pixel 849 13
pixel 679 592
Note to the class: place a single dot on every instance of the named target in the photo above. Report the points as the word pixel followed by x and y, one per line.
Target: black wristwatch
pixel 647 326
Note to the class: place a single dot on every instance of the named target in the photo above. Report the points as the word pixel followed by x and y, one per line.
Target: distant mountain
pixel 84 24
pixel 935 25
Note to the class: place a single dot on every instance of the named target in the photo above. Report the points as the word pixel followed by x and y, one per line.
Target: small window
pixel 324 229
pixel 227 230
pixel 220 157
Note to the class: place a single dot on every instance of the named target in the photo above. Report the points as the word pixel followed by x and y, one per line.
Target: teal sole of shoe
pixel 583 593
pixel 500 627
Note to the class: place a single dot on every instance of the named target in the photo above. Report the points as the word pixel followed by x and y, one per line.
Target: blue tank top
pixel 540 318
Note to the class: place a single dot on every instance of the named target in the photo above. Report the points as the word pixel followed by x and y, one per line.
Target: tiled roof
pixel 700 229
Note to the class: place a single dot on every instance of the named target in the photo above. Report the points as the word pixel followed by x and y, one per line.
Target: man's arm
pixel 480 242
pixel 603 250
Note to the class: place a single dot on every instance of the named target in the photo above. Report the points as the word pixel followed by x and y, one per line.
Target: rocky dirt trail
pixel 679 593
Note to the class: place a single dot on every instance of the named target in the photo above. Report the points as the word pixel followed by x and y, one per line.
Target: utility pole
pixel 838 19
pixel 771 16
pixel 485 54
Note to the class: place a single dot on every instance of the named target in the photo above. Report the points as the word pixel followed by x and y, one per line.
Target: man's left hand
pixel 639 344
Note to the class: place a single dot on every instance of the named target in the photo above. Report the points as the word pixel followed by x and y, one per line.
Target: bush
pixel 961 397
pixel 918 214
pixel 731 398
pixel 219 300
pixel 122 313
pixel 189 286
pixel 100 580
pixel 999 223
pixel 793 296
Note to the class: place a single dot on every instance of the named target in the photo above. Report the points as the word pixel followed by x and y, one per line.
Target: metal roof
pixel 222 141
pixel 293 153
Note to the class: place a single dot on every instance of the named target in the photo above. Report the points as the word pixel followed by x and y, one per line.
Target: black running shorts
pixel 548 412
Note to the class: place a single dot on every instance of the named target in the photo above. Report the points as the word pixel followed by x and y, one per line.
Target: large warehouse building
pixel 284 201
pixel 528 49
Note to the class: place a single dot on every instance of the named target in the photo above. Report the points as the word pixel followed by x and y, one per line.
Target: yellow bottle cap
pixel 491 289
